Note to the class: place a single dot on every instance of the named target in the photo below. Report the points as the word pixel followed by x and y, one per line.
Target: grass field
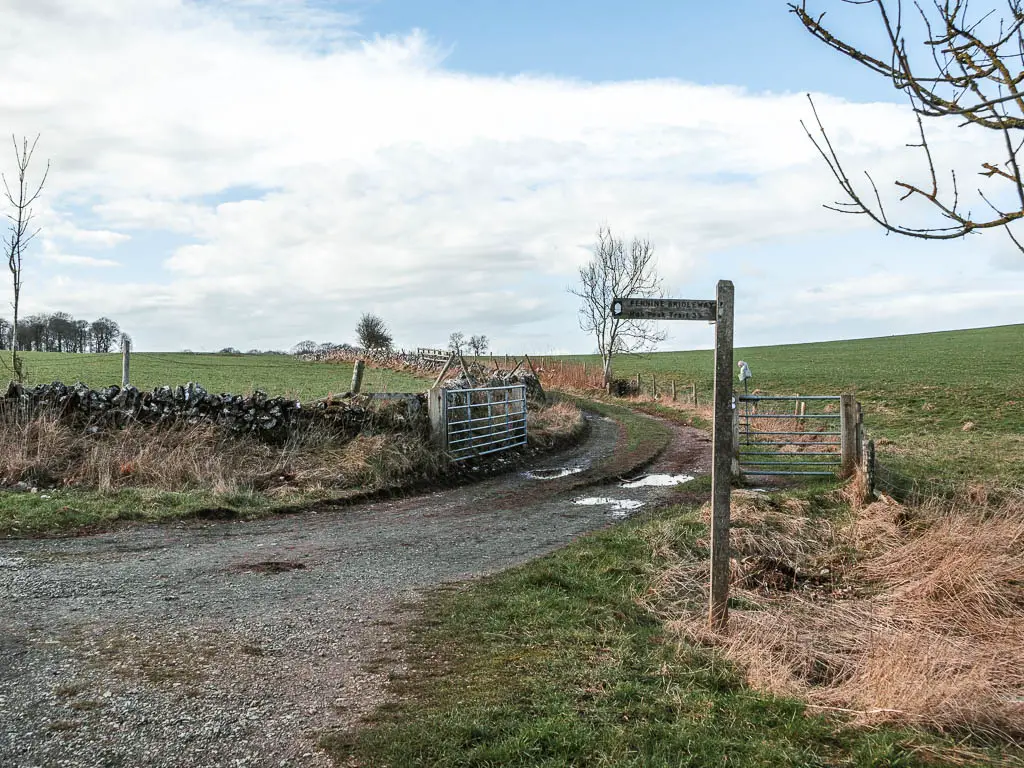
pixel 238 374
pixel 918 391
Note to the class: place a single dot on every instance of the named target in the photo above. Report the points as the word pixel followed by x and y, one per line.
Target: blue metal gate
pixel 484 420
pixel 789 435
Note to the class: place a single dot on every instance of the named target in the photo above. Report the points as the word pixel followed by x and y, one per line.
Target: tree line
pixel 60 332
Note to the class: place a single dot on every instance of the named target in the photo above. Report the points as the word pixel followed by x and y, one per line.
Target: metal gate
pixel 789 435
pixel 484 420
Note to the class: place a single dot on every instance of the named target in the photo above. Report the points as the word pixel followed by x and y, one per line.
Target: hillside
pixel 919 391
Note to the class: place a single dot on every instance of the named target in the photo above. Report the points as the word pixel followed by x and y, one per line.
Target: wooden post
pixel 848 428
pixel 736 443
pixel 126 354
pixel 673 386
pixel 721 478
pixel 638 383
pixel 860 435
pixel 543 396
pixel 869 466
pixel 438 415
pixel 357 376
pixel 654 385
pixel 693 394
pixel 451 359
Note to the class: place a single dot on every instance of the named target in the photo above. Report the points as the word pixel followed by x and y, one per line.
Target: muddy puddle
pixel 658 481
pixel 617 507
pixel 552 474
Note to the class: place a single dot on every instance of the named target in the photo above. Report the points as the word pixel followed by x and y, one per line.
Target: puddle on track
pixel 619 507
pixel 551 474
pixel 658 481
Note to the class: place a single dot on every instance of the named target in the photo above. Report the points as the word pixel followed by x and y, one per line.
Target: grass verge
pixel 555 663
pixel 641 439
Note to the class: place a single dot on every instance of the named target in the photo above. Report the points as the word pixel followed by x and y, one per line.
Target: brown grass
pixel 44 451
pixel 555 424
pixel 578 377
pixel 907 614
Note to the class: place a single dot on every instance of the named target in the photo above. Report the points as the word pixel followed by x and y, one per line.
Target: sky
pixel 253 173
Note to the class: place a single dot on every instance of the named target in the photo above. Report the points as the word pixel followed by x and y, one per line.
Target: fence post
pixel 736 471
pixel 673 386
pixel 848 428
pixel 693 393
pixel 654 385
pixel 860 435
pixel 638 384
pixel 437 400
pixel 126 354
pixel 869 469
pixel 357 377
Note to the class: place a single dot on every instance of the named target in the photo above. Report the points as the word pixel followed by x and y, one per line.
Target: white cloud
pixel 78 261
pixel 382 181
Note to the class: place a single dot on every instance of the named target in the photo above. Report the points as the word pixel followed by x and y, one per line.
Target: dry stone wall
pixel 271 419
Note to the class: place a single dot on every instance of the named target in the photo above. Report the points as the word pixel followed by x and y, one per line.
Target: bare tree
pixel 373 333
pixel 968 69
pixel 456 342
pixel 20 234
pixel 105 333
pixel 615 271
pixel 478 345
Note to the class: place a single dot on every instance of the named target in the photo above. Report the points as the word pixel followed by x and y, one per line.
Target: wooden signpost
pixel 719 311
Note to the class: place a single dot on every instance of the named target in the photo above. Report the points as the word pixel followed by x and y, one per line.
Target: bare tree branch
pixel 975 77
pixel 20 232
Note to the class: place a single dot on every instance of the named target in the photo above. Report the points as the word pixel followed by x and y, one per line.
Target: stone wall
pixel 271 419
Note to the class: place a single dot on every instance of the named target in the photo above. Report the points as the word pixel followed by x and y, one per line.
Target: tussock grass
pixel 555 424
pixel 907 614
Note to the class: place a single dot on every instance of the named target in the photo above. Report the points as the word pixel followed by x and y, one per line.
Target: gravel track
pixel 236 643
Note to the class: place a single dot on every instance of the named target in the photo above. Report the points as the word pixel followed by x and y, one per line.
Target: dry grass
pixel 577 377
pixel 555 424
pixel 45 451
pixel 906 614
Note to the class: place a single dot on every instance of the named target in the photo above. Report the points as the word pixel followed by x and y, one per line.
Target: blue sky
pixel 256 172
pixel 753 43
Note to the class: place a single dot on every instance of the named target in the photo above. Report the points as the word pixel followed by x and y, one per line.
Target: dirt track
pixel 235 643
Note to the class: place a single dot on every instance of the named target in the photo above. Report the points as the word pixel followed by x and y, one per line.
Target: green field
pixel 918 391
pixel 238 374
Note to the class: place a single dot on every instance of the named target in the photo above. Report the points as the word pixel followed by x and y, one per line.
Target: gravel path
pixel 236 643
